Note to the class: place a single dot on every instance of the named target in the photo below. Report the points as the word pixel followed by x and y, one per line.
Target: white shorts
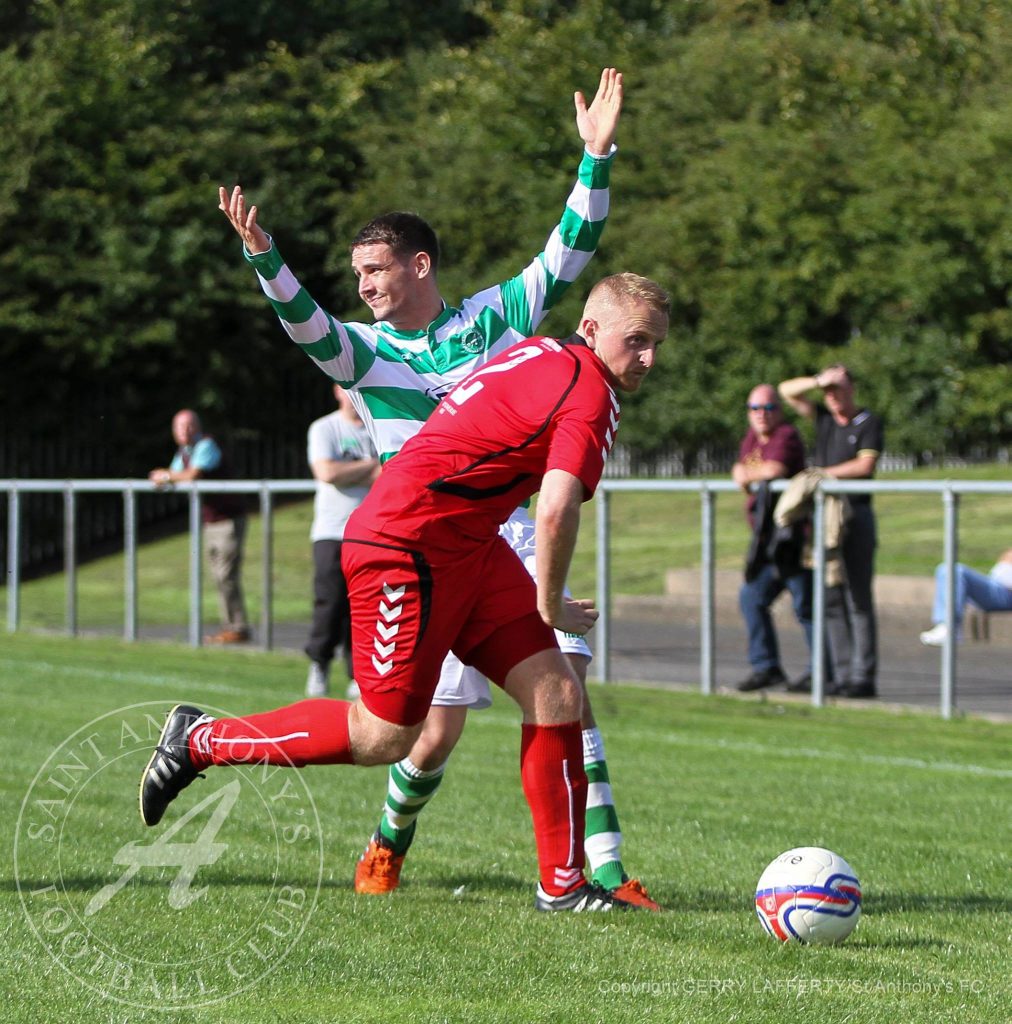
pixel 463 686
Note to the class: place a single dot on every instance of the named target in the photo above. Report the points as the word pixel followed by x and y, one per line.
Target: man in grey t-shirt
pixel 344 465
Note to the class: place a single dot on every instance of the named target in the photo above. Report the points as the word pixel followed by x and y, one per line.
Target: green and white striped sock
pixel 409 789
pixel 602 836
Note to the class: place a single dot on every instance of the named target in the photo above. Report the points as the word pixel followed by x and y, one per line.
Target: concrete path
pixel 655 644
pixel 663 649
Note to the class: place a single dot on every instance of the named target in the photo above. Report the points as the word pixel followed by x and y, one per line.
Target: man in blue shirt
pixel 198 457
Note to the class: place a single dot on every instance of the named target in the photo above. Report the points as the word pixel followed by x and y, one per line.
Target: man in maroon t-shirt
pixel 770 450
pixel 428 573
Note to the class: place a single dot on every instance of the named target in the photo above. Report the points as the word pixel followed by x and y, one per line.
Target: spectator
pixel 848 443
pixel 344 465
pixel 990 593
pixel 198 457
pixel 770 450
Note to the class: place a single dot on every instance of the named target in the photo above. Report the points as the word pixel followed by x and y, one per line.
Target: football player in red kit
pixel 428 573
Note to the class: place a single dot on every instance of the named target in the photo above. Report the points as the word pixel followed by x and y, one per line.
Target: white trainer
pixel 318 680
pixel 935 636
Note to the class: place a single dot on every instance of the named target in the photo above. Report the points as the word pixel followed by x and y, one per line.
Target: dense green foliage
pixel 812 181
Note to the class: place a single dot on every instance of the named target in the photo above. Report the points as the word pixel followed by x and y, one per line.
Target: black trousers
pixel 331 626
pixel 850 609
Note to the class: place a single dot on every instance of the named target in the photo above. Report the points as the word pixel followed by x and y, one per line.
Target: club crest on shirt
pixel 472 341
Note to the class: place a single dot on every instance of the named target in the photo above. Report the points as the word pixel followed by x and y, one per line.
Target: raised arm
pixel 525 300
pixel 793 392
pixel 329 342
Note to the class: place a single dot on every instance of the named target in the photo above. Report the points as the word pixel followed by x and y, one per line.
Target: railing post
pixel 950 504
pixel 267 527
pixel 819 599
pixel 950 491
pixel 70 558
pixel 13 558
pixel 603 628
pixel 129 564
pixel 196 593
pixel 707 597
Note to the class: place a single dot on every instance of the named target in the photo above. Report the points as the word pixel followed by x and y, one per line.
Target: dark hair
pixel 405 233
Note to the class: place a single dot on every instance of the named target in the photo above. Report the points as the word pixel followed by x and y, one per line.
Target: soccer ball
pixel 809 895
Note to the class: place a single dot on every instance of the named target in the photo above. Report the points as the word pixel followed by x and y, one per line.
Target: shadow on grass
pixel 899 902
pixel 491 885
pixel 864 944
pixel 487 886
pixel 92 883
pixel 484 885
pixel 715 901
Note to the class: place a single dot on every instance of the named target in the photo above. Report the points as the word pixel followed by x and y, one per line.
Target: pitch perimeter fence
pixel 947 491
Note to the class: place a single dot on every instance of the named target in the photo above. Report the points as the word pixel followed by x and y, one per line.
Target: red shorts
pixel 407 612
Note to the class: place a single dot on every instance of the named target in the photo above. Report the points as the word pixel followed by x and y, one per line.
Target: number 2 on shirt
pixel 470 387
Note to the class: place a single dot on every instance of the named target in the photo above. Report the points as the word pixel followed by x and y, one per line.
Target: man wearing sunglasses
pixel 770 450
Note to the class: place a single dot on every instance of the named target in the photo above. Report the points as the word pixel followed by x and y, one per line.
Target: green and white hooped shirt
pixel 396 378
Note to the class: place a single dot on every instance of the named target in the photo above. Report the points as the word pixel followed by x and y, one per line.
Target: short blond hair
pixel 620 288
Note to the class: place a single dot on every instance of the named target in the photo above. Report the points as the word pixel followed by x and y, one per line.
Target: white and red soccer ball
pixel 808 895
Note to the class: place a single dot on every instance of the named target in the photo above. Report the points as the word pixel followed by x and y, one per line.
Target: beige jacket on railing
pixel 798 501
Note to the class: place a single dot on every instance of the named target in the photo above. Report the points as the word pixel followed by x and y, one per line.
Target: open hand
pixel 244 221
pixel 597 123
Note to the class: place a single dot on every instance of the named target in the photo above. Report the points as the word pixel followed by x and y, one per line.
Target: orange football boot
pixel 633 891
pixel 378 869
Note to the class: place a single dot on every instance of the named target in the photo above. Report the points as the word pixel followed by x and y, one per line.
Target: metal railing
pixel 948 491
pixel 130 489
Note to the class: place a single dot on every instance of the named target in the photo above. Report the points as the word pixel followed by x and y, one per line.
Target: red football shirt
pixel 540 405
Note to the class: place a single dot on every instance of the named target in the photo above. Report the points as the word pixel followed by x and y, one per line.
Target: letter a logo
pixel 162 853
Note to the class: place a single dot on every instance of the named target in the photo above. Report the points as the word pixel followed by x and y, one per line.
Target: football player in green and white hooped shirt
pixel 396 369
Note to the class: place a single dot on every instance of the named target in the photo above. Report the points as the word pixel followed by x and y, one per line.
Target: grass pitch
pixel 244 911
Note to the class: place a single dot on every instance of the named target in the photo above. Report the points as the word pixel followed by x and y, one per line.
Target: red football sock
pixel 308 732
pixel 555 784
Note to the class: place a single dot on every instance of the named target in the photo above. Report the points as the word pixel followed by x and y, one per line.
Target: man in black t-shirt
pixel 848 443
